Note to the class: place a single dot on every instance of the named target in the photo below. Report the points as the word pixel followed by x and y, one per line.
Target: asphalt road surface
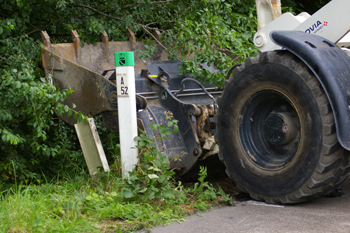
pixel 321 215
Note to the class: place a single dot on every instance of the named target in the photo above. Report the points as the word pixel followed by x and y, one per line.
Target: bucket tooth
pixel 76 42
pixel 105 41
pixel 132 38
pixel 45 38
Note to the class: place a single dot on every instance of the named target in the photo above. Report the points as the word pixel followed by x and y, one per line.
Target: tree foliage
pixel 30 133
pixel 310 6
pixel 33 140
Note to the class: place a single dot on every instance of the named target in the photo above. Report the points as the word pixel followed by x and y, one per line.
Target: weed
pixel 76 203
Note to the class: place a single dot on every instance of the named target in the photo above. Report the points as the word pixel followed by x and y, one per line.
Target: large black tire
pixel 276 131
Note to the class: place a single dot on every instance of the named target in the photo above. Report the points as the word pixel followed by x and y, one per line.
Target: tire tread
pixel 334 163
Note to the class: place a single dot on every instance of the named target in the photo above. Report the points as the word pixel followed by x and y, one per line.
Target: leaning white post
pixel 92 147
pixel 124 62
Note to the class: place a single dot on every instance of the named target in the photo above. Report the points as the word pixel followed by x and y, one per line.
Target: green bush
pixel 33 140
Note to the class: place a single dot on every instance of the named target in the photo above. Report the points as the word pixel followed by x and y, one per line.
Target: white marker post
pixel 125 72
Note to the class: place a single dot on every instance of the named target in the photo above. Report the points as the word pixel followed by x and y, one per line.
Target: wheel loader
pixel 280 125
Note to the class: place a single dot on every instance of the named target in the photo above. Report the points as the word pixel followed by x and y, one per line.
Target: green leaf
pixel 114 194
pixel 154 127
pixel 151 195
pixel 176 128
pixel 168 194
pixel 143 190
pixel 154 169
pixel 153 176
pixel 142 143
pixel 69 113
pixel 210 194
pixel 127 193
pixel 75 116
pixel 168 133
pixel 158 194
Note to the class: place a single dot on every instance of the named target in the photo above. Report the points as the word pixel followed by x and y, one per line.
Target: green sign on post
pixel 124 59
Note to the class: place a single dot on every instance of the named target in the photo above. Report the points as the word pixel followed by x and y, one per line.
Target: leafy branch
pixel 139 3
pixel 95 10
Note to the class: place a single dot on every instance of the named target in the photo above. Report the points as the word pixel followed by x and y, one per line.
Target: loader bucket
pixel 160 90
pixel 81 69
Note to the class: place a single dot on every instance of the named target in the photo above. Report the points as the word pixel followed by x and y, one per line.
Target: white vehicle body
pixel 330 22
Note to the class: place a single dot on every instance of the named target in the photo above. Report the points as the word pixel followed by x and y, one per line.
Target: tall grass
pixel 79 204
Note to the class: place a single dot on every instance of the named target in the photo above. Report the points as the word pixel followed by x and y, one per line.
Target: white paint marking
pixel 263 204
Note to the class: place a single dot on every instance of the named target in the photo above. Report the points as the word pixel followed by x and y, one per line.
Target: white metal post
pixel 267 11
pixel 125 72
pixel 92 147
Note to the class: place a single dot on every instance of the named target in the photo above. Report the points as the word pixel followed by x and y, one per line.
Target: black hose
pixel 200 85
pixel 232 68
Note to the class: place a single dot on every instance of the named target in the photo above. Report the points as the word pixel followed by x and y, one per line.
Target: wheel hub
pixel 270 129
pixel 279 128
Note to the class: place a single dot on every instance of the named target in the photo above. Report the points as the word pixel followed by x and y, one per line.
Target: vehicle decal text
pixel 316 27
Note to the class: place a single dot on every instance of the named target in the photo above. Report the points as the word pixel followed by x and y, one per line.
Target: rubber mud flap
pixel 331 66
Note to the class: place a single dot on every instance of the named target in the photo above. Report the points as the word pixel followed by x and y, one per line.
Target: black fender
pixel 331 65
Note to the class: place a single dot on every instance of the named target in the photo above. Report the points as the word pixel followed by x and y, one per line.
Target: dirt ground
pixel 216 176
